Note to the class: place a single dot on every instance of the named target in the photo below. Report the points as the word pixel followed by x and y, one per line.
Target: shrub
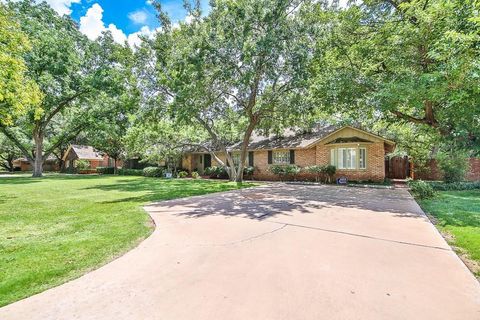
pixel 182 174
pixel 454 186
pixel 130 172
pixel 248 171
pixel 83 165
pixel 453 166
pixel 156 172
pixel 195 175
pixel 217 172
pixel 325 172
pixel 285 170
pixel 105 170
pixel 421 189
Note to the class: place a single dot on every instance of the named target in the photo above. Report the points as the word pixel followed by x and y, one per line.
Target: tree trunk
pixel 243 154
pixel 38 161
pixel 115 171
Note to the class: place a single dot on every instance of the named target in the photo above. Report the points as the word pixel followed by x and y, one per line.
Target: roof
pixel 292 139
pixel 84 152
pixel 289 139
pixel 50 158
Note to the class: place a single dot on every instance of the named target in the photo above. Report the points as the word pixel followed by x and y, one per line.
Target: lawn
pixel 457 214
pixel 59 227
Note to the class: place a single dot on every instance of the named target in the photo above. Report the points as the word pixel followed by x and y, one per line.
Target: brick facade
pixel 319 154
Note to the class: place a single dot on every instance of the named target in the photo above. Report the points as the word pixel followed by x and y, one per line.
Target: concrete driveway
pixel 275 252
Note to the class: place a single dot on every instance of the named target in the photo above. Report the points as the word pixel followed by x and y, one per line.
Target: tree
pixel 72 73
pixel 18 93
pixel 8 153
pixel 242 67
pixel 411 61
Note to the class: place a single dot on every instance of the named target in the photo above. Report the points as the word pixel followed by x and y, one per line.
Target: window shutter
pixel 292 156
pixel 270 156
pixel 250 158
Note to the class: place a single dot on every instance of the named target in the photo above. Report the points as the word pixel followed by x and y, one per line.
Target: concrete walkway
pixel 275 252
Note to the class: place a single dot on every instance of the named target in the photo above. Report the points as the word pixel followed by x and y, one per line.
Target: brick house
pixel 357 154
pixel 96 159
pixel 22 164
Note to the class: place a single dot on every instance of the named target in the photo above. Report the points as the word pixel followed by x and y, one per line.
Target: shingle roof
pixel 86 153
pixel 290 139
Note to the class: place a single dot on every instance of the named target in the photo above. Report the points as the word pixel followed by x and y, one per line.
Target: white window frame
pixel 354 155
pixel 281 157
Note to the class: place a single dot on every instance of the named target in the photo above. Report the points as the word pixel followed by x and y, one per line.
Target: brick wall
pixel 433 172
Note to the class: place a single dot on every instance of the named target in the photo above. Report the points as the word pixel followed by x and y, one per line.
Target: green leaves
pixel 18 93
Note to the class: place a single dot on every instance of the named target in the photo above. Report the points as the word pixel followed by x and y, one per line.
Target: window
pixel 346 158
pixel 362 161
pixel 281 157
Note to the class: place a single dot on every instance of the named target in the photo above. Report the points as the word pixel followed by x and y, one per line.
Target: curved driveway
pixel 275 252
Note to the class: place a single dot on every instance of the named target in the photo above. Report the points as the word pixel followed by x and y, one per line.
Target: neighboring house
pixel 357 154
pixel 22 164
pixel 96 159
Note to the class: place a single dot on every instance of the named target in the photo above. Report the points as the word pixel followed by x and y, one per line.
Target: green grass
pixel 59 227
pixel 458 213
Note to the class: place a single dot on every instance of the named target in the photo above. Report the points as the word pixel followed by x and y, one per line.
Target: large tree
pixel 412 61
pixel 72 73
pixel 18 93
pixel 242 67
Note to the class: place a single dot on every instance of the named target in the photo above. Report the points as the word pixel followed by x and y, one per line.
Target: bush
pixel 285 170
pixel 156 172
pixel 421 189
pixel 105 170
pixel 182 174
pixel 195 175
pixel 217 172
pixel 130 172
pixel 248 171
pixel 453 166
pixel 325 172
pixel 82 165
pixel 455 186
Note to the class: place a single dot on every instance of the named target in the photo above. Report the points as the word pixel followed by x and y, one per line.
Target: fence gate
pixel 397 167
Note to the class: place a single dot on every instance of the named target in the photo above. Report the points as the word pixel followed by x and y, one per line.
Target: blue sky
pixel 126 19
pixel 123 13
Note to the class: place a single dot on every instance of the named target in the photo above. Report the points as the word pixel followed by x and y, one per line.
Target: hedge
pixel 156 172
pixel 130 172
pixel 105 170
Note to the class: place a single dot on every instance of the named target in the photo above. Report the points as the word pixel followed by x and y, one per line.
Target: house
pixel 357 154
pixel 22 164
pixel 96 159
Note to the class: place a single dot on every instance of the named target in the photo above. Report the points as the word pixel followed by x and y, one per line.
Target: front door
pixel 207 161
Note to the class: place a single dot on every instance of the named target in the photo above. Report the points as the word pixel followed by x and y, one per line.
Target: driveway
pixel 275 252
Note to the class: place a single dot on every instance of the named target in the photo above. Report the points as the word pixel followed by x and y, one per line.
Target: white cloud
pixel 138 17
pixel 62 6
pixel 92 25
pixel 134 38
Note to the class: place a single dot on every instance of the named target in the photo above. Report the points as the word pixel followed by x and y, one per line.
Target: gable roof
pixel 84 152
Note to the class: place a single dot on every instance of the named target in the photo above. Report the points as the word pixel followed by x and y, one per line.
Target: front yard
pixel 59 227
pixel 457 215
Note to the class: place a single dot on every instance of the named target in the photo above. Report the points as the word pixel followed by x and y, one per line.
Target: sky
pixel 126 19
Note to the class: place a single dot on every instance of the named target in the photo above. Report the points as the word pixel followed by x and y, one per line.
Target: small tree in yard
pixel 454 166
